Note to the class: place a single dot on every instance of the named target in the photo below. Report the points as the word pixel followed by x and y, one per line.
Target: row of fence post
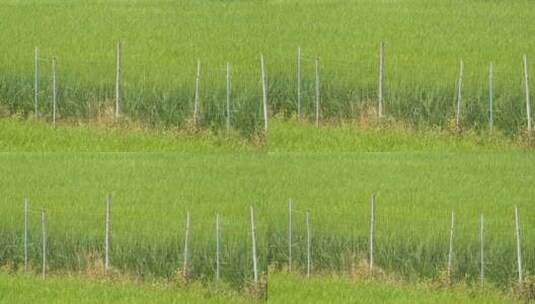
pixel 371 244
pixel 187 239
pixel 55 84
pixel 265 89
pixel 108 242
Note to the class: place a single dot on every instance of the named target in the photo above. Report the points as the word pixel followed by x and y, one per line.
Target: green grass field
pixel 158 164
pixel 29 289
pixel 283 289
pixel 418 185
pixel 163 40
pixel 291 289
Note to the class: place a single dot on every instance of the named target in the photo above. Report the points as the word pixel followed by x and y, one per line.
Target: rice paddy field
pixel 159 161
pixel 163 40
pixel 417 187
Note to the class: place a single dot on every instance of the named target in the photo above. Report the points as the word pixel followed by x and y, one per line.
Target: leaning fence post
pixel 459 96
pixel 54 91
pixel 229 92
pixel 518 245
pixel 44 241
pixel 26 228
pixel 186 248
pixel 309 244
pixel 381 79
pixel 107 244
pixel 36 82
pixel 491 97
pixel 290 235
pixel 526 86
pixel 264 92
pixel 482 251
pixel 217 248
pixel 253 240
pixel 299 81
pixel 372 230
pixel 317 92
pixel 450 252
pixel 197 93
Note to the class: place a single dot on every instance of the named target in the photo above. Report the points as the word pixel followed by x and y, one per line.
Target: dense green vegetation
pixel 163 40
pixel 152 191
pixel 158 165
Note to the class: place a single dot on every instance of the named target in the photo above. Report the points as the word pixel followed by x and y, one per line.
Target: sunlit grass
pixel 292 289
pixel 163 40
pixel 20 288
pixel 417 189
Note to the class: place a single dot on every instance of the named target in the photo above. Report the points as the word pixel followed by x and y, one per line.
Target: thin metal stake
pixel 54 91
pixel 118 80
pixel 299 81
pixel 229 93
pixel 482 253
pixel 372 230
pixel 381 79
pixel 317 92
pixel 218 248
pixel 264 92
pixel 459 96
pixel 107 244
pixel 290 235
pixel 36 83
pixel 518 245
pixel 196 105
pixel 491 97
pixel 253 239
pixel 450 252
pixel 526 84
pixel 26 233
pixel 186 247
pixel 44 241
pixel 309 245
